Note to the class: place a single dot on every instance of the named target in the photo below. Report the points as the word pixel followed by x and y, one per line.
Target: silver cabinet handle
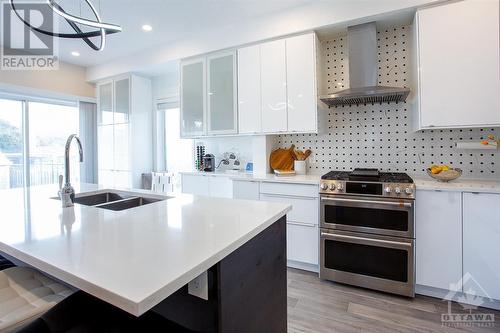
pixel 284 196
pixel 374 202
pixel 363 239
pixel 303 224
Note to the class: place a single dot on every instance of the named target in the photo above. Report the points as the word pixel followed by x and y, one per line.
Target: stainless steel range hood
pixel 363 72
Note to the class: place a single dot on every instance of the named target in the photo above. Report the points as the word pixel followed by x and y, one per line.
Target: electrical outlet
pixel 199 286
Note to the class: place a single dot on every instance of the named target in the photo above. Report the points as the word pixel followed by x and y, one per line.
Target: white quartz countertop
pixel 461 185
pixel 421 182
pixel 135 258
pixel 268 177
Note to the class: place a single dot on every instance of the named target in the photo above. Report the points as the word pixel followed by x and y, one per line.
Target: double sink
pixel 115 200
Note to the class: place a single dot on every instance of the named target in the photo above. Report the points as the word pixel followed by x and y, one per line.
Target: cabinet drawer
pixel 300 190
pixel 220 187
pixel 243 189
pixel 195 184
pixel 303 209
pixel 302 243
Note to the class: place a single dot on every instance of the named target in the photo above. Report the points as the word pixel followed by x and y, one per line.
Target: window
pixel 49 128
pixel 11 144
pixel 33 135
pixel 176 154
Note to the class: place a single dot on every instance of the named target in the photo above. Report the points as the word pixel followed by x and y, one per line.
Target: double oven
pixel 367 235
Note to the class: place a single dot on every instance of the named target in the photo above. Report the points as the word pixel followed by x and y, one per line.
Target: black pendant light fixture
pixel 102 29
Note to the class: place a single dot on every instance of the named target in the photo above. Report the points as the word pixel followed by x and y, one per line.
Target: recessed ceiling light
pixel 75 54
pixel 147 27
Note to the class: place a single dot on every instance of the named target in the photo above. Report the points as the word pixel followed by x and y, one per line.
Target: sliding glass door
pixel 32 139
pixel 49 128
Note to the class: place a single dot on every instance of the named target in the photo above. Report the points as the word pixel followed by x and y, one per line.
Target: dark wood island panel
pixel 247 290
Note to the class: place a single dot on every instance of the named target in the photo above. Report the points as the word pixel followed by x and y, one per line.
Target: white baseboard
pixel 303 266
pixel 442 293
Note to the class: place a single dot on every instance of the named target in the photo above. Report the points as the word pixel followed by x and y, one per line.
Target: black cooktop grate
pixel 368 175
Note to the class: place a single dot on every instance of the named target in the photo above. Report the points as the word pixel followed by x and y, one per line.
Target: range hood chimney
pixel 363 72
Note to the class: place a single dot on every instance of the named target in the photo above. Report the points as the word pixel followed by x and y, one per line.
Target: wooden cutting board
pixel 282 159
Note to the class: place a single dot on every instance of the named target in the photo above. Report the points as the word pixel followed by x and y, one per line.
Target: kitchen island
pixel 142 259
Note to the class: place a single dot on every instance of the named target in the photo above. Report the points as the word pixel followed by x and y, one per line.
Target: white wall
pixel 68 79
pixel 315 15
pixel 166 85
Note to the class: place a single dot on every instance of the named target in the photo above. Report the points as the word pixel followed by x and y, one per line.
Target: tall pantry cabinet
pixel 124 130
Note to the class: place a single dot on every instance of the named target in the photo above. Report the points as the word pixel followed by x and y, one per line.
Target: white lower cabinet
pixel 220 187
pixel 481 225
pixel 304 209
pixel 438 238
pixel 244 189
pixel 195 184
pixel 457 240
pixel 207 185
pixel 302 243
pixel 302 221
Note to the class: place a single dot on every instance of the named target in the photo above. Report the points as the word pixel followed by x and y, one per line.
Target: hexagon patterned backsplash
pixel 382 136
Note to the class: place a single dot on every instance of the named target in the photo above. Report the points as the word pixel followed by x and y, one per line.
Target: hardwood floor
pixel 322 306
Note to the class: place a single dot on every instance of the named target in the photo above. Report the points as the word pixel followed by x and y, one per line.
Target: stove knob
pixel 332 187
pixel 397 190
pixel 388 190
pixel 323 186
pixel 340 187
pixel 408 190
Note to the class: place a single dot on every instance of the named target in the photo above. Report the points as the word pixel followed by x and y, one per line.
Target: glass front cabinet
pixel 208 95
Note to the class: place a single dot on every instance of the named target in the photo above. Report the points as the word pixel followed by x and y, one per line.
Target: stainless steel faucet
pixel 67 192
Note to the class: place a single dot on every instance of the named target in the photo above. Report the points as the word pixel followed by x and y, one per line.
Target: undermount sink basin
pixel 115 200
pixel 100 198
pixel 128 203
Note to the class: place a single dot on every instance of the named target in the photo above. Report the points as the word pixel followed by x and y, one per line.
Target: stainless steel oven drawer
pixel 370 261
pixel 381 216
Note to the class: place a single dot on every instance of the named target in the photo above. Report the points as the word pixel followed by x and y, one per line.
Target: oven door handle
pixel 365 240
pixel 373 202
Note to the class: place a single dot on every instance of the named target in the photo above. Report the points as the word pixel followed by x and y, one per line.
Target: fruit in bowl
pixel 443 173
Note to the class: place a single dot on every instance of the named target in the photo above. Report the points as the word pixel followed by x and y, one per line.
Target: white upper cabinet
pixel 481 242
pixel 301 83
pixel 457 53
pixel 249 90
pixel 222 107
pixel 122 100
pixel 105 103
pixel 273 82
pixel 267 88
pixel 193 97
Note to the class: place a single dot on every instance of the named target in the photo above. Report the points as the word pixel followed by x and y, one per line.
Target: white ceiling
pixel 172 21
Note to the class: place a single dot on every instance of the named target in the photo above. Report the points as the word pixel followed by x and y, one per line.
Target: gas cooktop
pixel 369 175
pixel 368 182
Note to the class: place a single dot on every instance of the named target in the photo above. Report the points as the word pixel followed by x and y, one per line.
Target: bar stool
pixel 25 294
pixel 82 312
pixel 161 182
pixel 4 263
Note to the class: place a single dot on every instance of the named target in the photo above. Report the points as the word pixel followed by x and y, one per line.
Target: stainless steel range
pixel 367 235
